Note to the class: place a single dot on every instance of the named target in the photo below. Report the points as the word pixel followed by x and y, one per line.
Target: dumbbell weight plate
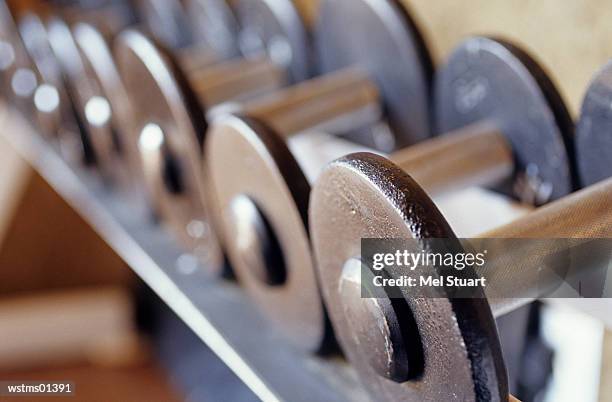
pixel 482 80
pixel 175 121
pixel 254 162
pixel 109 99
pixel 274 28
pixel 71 65
pixel 270 180
pixel 167 21
pixel 369 197
pixel 594 130
pixel 214 25
pixel 380 37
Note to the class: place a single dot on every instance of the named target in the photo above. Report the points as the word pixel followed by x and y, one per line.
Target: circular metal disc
pixel 215 24
pixel 594 130
pixel 247 159
pixel 167 21
pixel 73 71
pixel 488 79
pixel 107 110
pixel 169 126
pixel 56 112
pixel 380 37
pixel 366 196
pixel 273 28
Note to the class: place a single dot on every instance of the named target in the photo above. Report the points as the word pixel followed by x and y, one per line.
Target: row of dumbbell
pixel 162 118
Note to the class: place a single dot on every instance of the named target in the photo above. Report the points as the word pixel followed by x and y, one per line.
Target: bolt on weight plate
pixel 491 80
pixel 594 130
pixel 366 196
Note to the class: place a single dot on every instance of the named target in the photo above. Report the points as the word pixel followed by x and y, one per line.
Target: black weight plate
pixel 491 80
pixel 366 196
pixel 594 130
pixel 380 37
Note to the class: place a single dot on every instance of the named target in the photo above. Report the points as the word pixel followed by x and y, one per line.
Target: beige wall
pixel 571 38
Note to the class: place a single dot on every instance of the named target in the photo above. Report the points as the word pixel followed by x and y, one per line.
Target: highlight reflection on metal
pixel 151 138
pixel 46 98
pixel 97 111
pixel 24 82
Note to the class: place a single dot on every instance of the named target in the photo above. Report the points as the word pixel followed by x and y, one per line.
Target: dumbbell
pixel 109 94
pixel 107 110
pixel 171 103
pixel 403 347
pixel 262 191
pixel 92 92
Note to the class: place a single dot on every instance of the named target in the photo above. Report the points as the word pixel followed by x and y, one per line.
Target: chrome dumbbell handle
pixel 337 102
pixel 584 215
pixel 236 80
pixel 478 155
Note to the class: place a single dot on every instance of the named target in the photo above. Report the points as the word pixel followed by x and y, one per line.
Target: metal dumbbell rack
pixel 217 311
